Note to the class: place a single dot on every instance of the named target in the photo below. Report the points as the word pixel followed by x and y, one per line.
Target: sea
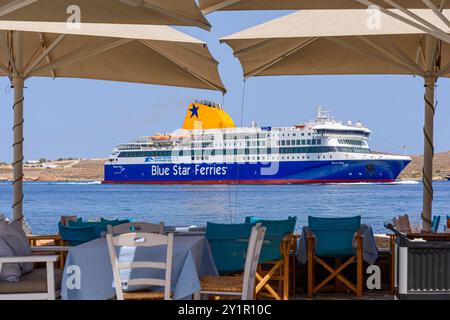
pixel 188 205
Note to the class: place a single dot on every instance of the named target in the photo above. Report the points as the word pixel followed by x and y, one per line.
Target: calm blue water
pixel 186 205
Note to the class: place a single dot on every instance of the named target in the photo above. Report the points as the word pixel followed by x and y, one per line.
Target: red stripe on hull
pixel 267 181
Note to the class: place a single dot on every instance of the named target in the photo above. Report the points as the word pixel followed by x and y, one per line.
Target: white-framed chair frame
pixel 51 293
pixel 141 239
pixel 142 227
pixel 251 262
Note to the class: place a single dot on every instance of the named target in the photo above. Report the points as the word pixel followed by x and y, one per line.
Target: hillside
pixel 90 170
pixel 441 168
pixel 66 170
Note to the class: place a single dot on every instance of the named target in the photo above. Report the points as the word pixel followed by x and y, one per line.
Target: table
pixel 370 250
pixel 429 236
pixel 88 272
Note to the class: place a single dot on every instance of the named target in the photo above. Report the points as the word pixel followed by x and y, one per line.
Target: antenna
pixel 322 114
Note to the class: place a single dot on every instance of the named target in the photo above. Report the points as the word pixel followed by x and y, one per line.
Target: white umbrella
pixel 403 6
pixel 315 42
pixel 165 12
pixel 132 53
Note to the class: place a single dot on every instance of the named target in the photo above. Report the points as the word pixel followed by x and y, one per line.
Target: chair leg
pixel 359 268
pixel 392 262
pixel 310 269
pixel 293 275
pixel 286 272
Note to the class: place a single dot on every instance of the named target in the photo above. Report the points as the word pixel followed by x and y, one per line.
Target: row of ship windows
pixel 213 152
pixel 349 132
pixel 352 142
pixel 259 158
pixel 241 136
pixel 263 143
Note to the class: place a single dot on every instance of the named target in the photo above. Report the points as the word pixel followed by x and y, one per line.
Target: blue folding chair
pixel 79 231
pixel 275 253
pixel 435 223
pixel 333 238
pixel 228 243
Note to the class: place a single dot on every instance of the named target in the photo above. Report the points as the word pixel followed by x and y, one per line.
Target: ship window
pixel 293 142
pixel 303 134
pixel 283 142
pixel 288 142
pixel 313 141
pixel 303 142
pixel 370 168
pixel 308 141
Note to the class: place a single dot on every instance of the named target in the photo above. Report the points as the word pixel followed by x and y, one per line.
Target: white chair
pixel 136 227
pixel 140 239
pixel 243 286
pixel 39 284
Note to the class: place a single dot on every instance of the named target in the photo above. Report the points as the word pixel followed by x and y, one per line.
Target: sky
pixel 88 118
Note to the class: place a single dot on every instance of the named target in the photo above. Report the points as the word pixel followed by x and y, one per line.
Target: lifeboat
pixel 161 137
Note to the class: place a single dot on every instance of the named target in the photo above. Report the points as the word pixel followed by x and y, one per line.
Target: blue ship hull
pixel 343 171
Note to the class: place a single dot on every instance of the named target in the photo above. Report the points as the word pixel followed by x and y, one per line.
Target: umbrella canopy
pixel 332 42
pixel 132 53
pixel 209 6
pixel 157 12
pixel 403 6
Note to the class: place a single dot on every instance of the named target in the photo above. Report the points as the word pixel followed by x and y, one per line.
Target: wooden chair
pixel 277 276
pixel 274 259
pixel 49 244
pixel 141 239
pixel 332 238
pixel 244 285
pixel 39 284
pixel 144 227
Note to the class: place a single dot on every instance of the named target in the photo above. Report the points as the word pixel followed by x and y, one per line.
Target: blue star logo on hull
pixel 194 111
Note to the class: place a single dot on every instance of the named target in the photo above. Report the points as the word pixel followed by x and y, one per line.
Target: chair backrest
pixel 276 230
pixel 228 243
pixel 435 223
pixel 75 235
pixel 137 227
pixel 140 239
pixel 402 224
pixel 251 261
pixel 334 236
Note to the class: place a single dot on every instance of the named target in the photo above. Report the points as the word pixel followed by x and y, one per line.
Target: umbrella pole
pixel 427 171
pixel 18 84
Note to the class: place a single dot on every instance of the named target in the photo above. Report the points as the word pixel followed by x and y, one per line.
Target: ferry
pixel 211 149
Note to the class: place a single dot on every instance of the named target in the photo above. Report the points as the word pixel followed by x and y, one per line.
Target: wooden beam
pixel 372 54
pixel 210 83
pixel 43 55
pixel 434 31
pixel 90 49
pixel 391 55
pixel 163 11
pixel 14 5
pixel 7 52
pixel 220 5
pixel 437 11
pixel 48 57
pixel 279 58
